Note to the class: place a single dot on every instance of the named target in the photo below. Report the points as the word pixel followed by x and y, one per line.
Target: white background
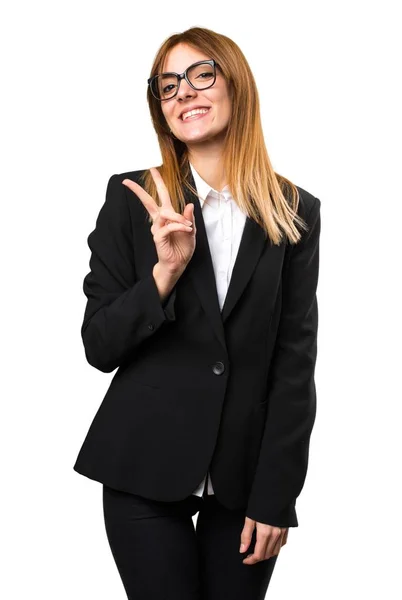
pixel 73 113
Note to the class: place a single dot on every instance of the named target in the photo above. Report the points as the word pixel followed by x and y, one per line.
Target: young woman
pixel 202 292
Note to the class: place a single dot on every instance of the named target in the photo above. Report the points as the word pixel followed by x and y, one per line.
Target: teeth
pixel 196 111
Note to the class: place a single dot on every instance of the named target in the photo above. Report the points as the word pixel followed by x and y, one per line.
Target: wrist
pixel 165 280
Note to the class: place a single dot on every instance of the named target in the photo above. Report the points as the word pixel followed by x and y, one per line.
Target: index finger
pixel 161 188
pixel 145 198
pixel 260 546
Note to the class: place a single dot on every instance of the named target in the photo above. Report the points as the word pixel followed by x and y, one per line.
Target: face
pixel 198 128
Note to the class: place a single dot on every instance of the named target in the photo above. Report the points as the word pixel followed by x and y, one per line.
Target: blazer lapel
pixel 251 246
pixel 201 268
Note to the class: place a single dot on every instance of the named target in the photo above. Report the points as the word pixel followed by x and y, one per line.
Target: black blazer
pixel 197 388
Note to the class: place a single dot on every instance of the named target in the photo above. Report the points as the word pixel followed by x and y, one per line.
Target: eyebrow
pixel 193 63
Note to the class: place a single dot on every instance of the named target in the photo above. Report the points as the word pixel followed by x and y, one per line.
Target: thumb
pixel 246 534
pixel 188 212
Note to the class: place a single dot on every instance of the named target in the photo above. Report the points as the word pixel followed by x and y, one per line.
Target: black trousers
pixel 160 555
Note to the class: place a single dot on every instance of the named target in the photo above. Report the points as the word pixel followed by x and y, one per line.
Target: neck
pixel 207 160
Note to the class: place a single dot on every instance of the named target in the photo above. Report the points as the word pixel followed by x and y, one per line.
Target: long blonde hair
pixel 267 197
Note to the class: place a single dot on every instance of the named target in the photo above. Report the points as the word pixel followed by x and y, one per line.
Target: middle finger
pixel 276 549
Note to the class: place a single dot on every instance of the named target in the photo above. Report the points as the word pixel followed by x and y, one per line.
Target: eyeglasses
pixel 200 76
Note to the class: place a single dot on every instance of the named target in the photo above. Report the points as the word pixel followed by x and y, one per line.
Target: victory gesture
pixel 174 234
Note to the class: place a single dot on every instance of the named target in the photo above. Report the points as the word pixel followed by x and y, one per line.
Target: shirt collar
pixel 203 189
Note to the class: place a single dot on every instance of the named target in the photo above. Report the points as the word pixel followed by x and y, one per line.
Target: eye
pixel 168 88
pixel 205 75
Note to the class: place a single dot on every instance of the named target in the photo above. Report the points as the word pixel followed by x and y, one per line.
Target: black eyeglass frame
pixel 183 75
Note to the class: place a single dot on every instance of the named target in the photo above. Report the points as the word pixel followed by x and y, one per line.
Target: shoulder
pixel 309 205
pixel 116 180
pixel 133 175
pixel 121 199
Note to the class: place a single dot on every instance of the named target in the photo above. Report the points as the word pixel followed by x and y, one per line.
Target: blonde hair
pixel 267 197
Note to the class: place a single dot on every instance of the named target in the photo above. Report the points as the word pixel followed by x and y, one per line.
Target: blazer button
pixel 218 368
pixel 151 326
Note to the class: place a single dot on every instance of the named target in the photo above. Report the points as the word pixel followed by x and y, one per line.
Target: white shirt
pixel 224 223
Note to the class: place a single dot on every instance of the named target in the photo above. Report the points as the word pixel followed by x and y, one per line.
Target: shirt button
pixel 218 368
pixel 151 326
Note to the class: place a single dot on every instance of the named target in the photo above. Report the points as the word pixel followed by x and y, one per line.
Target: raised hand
pixel 173 233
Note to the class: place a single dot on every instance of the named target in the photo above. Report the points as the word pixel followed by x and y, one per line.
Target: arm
pixel 282 464
pixel 121 311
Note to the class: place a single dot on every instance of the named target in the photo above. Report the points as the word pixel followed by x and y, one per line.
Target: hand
pixel 269 541
pixel 173 233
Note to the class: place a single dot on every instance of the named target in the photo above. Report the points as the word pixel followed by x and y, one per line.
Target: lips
pixel 196 110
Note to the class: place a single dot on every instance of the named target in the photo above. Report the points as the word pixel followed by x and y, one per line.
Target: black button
pixel 218 368
pixel 151 326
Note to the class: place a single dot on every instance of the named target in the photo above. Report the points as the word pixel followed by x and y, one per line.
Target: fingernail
pixel 188 223
pixel 242 547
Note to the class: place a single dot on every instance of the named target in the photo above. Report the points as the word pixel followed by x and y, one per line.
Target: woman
pixel 202 292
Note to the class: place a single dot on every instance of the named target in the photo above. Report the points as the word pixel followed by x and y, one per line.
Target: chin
pixel 198 137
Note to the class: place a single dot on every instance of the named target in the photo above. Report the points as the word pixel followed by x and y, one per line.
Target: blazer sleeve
pixel 283 458
pixel 121 311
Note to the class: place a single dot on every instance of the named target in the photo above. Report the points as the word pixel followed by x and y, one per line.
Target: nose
pixel 185 91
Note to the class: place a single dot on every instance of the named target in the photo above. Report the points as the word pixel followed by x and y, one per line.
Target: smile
pixel 197 113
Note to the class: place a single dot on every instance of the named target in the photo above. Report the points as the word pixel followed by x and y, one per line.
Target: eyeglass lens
pixel 200 76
